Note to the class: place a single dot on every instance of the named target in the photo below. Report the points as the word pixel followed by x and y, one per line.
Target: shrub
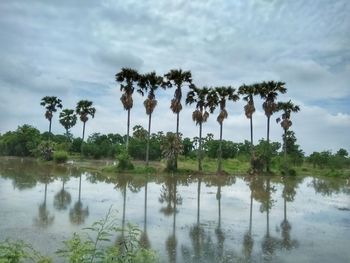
pixel 45 150
pixel 60 156
pixel 124 162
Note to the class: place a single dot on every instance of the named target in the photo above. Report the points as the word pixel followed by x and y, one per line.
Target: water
pixel 226 219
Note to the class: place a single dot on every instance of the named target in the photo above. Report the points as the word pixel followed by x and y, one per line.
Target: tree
pixel 218 97
pixel 248 93
pixel 149 83
pixel 269 92
pixel 127 78
pixel 171 148
pixel 84 109
pixel 68 119
pixel 51 103
pixel 178 79
pixel 287 108
pixel 200 115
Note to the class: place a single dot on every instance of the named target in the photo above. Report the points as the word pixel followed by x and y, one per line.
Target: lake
pixel 183 218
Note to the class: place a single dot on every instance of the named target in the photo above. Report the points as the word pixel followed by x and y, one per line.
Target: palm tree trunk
pixel 84 130
pixel 268 209
pixel 128 129
pixel 50 127
pixel 177 135
pixel 251 132
pixel 45 195
pixel 268 144
pixel 220 151
pixel 219 205
pixel 285 151
pixel 200 148
pixel 148 138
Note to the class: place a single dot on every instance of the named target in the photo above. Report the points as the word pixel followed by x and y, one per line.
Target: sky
pixel 73 49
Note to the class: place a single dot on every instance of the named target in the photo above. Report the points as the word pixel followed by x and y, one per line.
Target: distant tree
pixel 51 103
pixel 287 108
pixel 269 92
pixel 127 78
pixel 149 83
pixel 218 97
pixel 84 109
pixel 342 153
pixel 68 119
pixel 178 79
pixel 171 148
pixel 200 115
pixel 248 93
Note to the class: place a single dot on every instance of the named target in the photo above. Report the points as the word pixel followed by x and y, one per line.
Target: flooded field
pixel 184 218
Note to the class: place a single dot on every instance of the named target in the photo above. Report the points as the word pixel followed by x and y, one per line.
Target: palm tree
pixel 127 78
pixel 287 108
pixel 178 79
pixel 219 96
pixel 269 92
pixel 51 103
pixel 248 93
pixel 171 147
pixel 200 115
pixel 68 119
pixel 149 83
pixel 84 109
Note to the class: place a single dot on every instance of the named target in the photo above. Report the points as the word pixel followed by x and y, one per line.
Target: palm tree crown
pixel 149 82
pixel 269 92
pixel 178 79
pixel 287 108
pixel 198 96
pixel 248 92
pixel 127 78
pixel 68 119
pixel 84 109
pixel 51 103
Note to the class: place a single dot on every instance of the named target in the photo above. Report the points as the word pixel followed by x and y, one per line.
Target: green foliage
pixel 84 248
pixel 124 162
pixel 76 145
pixel 45 150
pixel 326 159
pixel 229 149
pixel 265 152
pixel 21 142
pixel 60 156
pixel 17 251
pixel 171 147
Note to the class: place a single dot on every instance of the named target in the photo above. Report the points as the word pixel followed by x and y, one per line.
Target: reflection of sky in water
pixel 321 230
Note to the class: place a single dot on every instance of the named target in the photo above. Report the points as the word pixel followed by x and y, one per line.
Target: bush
pixel 45 150
pixel 124 162
pixel 60 156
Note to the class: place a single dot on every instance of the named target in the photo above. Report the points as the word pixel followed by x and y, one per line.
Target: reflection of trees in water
pixel 44 219
pixel 329 186
pixel 78 213
pixel 63 198
pixel 290 184
pixel 248 241
pixel 170 196
pixel 144 239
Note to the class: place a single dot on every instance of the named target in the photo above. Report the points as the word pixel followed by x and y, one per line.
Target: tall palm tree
pixel 178 79
pixel 84 109
pixel 219 96
pixel 127 78
pixel 200 115
pixel 269 92
pixel 248 93
pixel 68 119
pixel 51 103
pixel 149 82
pixel 287 108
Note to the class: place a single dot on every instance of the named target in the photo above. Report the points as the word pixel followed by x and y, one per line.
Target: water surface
pixel 184 219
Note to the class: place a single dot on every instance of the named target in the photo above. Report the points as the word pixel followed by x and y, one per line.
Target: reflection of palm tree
pixel 218 231
pixel 269 243
pixel 144 240
pixel 170 196
pixel 78 213
pixel 248 241
pixel 62 199
pixel 44 218
pixel 288 194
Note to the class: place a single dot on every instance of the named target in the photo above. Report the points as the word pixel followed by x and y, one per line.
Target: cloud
pixel 72 49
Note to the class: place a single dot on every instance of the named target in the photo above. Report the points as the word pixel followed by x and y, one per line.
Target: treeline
pixel 28 141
